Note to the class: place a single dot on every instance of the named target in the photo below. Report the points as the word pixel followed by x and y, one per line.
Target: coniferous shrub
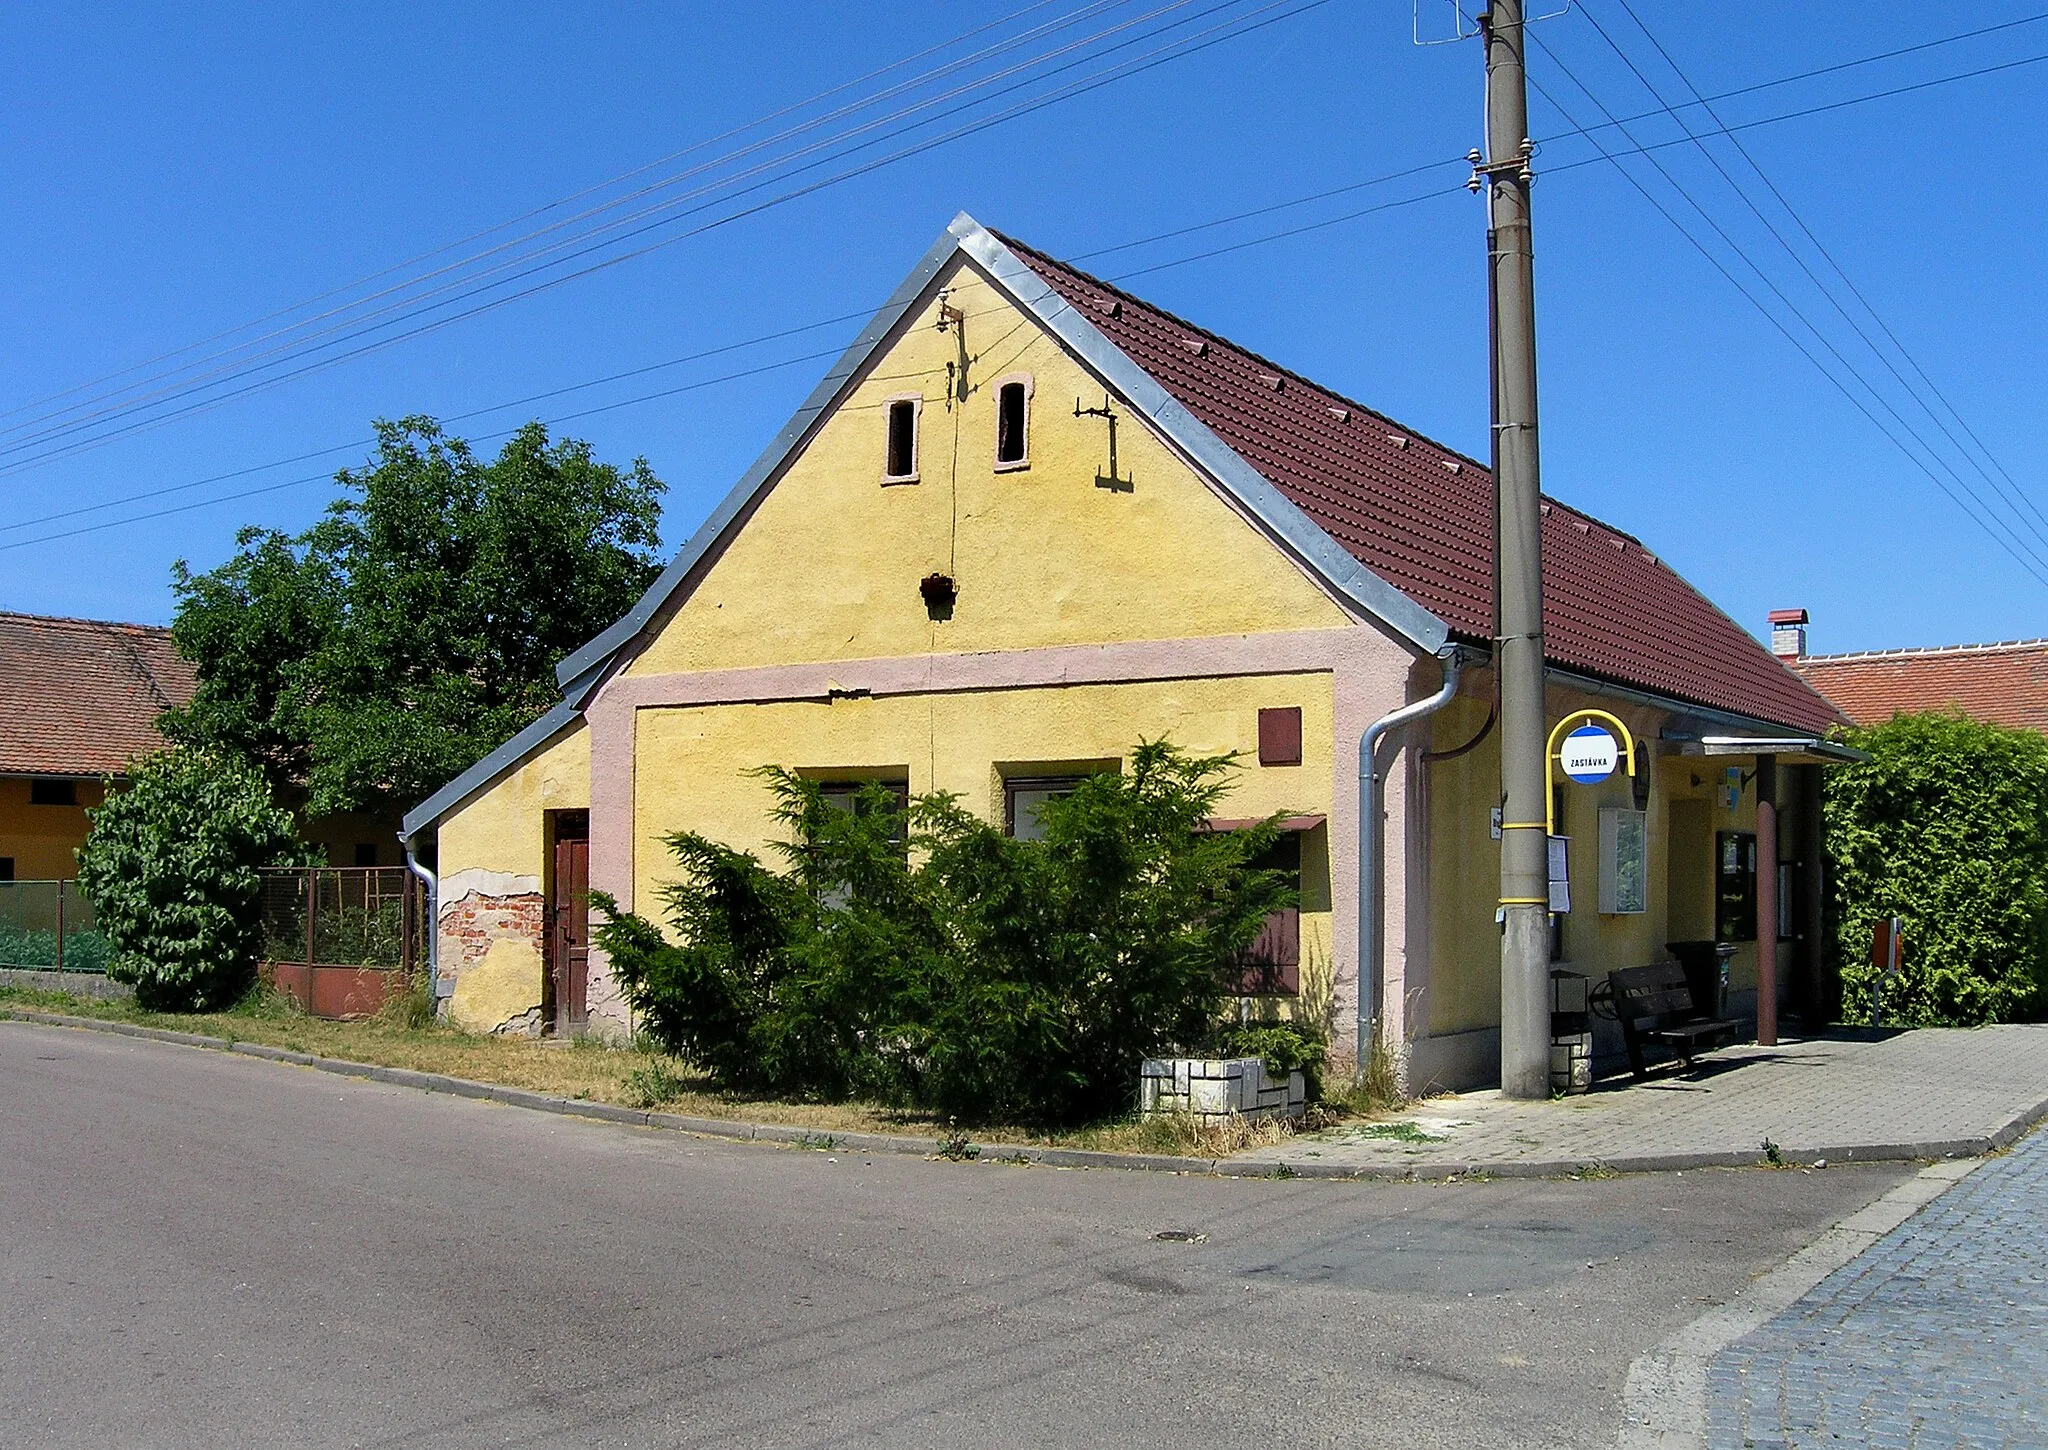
pixel 924 957
pixel 1946 827
pixel 171 866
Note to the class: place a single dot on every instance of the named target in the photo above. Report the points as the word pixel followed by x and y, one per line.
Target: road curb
pixel 1664 1400
pixel 736 1130
pixel 1263 1165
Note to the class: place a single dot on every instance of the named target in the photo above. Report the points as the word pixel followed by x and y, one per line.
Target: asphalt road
pixel 204 1250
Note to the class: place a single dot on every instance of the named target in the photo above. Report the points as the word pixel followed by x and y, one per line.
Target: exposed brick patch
pixel 468 928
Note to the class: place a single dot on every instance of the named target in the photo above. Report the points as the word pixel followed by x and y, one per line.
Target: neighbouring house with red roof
pixel 1029 520
pixel 2003 684
pixel 78 700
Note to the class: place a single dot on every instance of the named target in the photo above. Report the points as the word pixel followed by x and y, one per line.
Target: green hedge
pixel 1947 828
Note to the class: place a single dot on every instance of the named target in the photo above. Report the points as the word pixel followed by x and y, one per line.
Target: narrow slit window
pixel 902 461
pixel 1012 417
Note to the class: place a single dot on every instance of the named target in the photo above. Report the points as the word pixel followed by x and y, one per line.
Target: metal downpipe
pixel 1371 932
pixel 431 925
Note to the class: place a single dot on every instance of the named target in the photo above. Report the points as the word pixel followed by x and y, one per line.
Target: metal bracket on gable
pixel 1113 481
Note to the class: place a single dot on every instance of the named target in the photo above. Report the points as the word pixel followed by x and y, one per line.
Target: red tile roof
pixel 1420 516
pixel 80 697
pixel 2006 684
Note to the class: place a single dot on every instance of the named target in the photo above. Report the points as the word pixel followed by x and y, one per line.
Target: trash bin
pixel 1706 973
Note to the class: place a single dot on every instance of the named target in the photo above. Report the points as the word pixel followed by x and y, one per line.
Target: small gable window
pixel 1013 422
pixel 52 793
pixel 901 464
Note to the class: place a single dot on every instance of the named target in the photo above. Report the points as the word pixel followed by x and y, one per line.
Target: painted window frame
pixel 842 792
pixel 889 406
pixel 1059 783
pixel 1735 886
pixel 1023 460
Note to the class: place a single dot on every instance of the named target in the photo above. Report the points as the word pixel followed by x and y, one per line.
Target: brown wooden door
pixel 569 923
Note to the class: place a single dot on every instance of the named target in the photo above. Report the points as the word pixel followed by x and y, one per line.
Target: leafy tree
pixel 416 627
pixel 171 866
pixel 1947 828
pixel 928 958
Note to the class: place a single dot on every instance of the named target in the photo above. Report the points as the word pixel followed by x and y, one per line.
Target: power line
pixel 15 524
pixel 482 437
pixel 2037 540
pixel 572 248
pixel 2022 558
pixel 70 449
pixel 1856 292
pixel 602 408
pixel 1085 11
pixel 1608 155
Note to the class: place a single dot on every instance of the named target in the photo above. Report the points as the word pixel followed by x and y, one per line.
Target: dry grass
pixel 586 1070
pixel 592 1071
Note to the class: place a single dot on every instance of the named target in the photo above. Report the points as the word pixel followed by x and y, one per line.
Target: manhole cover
pixel 1181 1236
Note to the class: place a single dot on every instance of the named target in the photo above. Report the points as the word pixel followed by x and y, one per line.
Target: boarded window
pixel 1011 418
pixel 902 439
pixel 1271 966
pixel 1280 736
pixel 53 793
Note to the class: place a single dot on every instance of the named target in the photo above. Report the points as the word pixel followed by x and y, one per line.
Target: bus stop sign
pixel 1589 755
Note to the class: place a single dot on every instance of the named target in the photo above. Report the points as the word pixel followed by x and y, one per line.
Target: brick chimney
pixel 1788 634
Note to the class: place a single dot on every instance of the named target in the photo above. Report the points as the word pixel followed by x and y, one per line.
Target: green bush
pixel 1285 1046
pixel 171 865
pixel 1947 828
pixel 924 957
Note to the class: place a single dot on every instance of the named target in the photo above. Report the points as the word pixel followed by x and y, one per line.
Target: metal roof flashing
pixel 599 651
pixel 1266 506
pixel 541 732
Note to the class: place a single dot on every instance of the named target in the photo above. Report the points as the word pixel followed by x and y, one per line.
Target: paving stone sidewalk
pixel 1931 1093
pixel 1935 1336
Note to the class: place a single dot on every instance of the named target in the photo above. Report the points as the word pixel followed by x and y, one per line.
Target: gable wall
pixel 828 565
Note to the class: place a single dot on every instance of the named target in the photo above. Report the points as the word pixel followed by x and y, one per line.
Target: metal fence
pixel 49 926
pixel 343 916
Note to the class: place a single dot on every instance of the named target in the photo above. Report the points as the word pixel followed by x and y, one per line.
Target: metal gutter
pixel 432 923
pixel 1706 714
pixel 1782 745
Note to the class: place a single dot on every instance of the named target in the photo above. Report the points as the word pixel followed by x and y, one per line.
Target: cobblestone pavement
pixel 1936 1336
pixel 1930 1093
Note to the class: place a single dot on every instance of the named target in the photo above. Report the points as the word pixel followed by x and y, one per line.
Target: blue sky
pixel 173 173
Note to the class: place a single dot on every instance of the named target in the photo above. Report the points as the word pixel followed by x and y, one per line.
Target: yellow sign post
pixel 1551 755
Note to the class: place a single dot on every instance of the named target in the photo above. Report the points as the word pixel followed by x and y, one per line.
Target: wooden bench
pixel 1654 1005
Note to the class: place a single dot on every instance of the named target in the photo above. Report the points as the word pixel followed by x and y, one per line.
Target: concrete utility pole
pixel 1518 567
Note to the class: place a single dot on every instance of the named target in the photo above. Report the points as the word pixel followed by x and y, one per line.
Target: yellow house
pixel 1028 520
pixel 78 700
